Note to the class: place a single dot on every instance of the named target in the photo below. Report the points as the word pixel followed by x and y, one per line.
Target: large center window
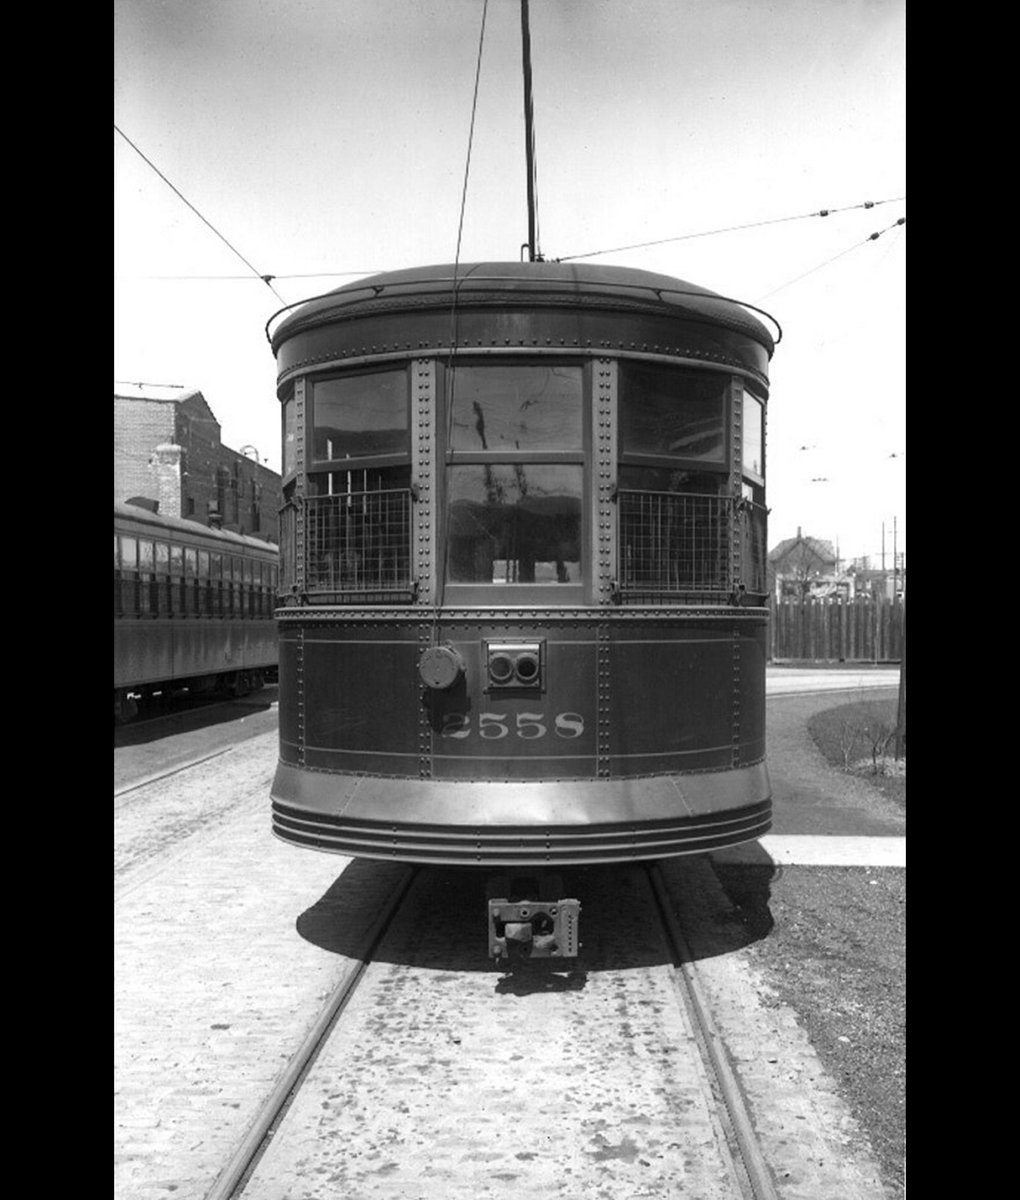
pixel 515 477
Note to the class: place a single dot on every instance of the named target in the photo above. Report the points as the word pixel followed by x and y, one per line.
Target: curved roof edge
pixel 665 292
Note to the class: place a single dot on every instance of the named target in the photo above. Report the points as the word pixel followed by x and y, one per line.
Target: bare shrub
pixel 877 733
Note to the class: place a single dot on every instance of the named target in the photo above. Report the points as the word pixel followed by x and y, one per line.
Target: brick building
pixel 167 449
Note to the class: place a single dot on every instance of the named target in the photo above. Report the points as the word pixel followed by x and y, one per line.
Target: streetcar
pixel 523 575
pixel 193 609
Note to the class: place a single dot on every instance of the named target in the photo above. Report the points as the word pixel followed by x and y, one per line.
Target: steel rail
pixel 759 1176
pixel 160 775
pixel 254 1142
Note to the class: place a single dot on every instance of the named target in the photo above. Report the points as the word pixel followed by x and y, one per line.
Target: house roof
pixel 818 547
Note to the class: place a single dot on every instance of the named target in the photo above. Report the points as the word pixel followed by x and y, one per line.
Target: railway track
pixel 157 817
pixel 427 1075
pixel 136 789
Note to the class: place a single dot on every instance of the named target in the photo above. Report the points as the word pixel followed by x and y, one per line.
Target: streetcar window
pixel 176 562
pixel 517 408
pixel 161 586
pixel 753 533
pixel 146 563
pixel 126 590
pixel 671 413
pixel 669 479
pixel 753 436
pixel 515 475
pixel 236 590
pixel 247 567
pixel 347 483
pixel 514 523
pixel 190 562
pixel 358 416
pixel 674 509
pixel 358 530
pixel 215 566
pixel 203 564
pixel 289 435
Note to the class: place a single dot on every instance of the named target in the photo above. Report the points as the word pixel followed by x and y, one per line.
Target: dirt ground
pixel 831 941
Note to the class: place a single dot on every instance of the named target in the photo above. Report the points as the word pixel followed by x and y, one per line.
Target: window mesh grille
pixel 359 542
pixel 672 544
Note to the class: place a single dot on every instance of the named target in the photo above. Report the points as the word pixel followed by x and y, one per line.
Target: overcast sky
pixel 327 139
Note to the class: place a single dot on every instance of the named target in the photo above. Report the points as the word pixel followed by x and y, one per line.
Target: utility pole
pixel 900 739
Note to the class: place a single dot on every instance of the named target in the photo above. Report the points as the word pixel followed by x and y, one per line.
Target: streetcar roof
pixel 181 525
pixel 416 284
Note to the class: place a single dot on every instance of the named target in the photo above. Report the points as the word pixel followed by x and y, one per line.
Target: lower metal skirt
pixel 484 823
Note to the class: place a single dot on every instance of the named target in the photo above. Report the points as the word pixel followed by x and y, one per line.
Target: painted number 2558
pixel 528 726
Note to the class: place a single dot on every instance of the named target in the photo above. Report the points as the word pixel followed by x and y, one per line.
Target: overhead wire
pixel 842 254
pixel 823 212
pixel 448 380
pixel 266 279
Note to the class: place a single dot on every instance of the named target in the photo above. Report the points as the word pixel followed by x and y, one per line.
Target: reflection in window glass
pixel 514 523
pixel 753 435
pixel 499 408
pixel 129 553
pixel 666 479
pixel 145 556
pixel 360 415
pixel 162 558
pixel 665 411
pixel 360 479
pixel 289 436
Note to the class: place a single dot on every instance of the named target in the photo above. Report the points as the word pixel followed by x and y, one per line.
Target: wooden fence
pixel 837 630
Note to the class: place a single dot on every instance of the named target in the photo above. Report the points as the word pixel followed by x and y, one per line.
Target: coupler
pixel 529 919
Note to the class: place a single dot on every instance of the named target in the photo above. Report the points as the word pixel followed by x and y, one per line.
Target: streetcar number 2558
pixel 528 726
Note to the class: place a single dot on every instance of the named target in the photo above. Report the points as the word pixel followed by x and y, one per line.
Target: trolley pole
pixel 529 130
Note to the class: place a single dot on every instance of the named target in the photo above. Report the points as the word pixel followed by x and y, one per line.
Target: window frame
pixel 720 470
pixel 502 595
pixel 676 462
pixel 314 466
pixel 745 472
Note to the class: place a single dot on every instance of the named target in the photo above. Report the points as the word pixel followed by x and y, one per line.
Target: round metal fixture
pixel 501 668
pixel 440 667
pixel 526 667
